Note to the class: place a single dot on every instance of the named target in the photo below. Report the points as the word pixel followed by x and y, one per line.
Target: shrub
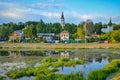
pixel 63 59
pixel 48 60
pixel 1 77
pixel 37 47
pixel 57 64
pixel 1 47
pixel 70 63
pixel 79 61
pixel 103 73
pixel 15 74
pixel 72 76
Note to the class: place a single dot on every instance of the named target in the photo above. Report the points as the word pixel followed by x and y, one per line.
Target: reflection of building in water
pixel 64 54
pixel 48 53
pixel 14 54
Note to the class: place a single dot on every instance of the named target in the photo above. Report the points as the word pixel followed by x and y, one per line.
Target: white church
pixel 109 27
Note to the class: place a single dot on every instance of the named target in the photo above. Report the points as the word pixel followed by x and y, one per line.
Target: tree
pixel 3 32
pixel 97 28
pixel 29 31
pixel 71 28
pixel 116 26
pixel 79 33
pixel 57 28
pixel 89 25
pixel 114 36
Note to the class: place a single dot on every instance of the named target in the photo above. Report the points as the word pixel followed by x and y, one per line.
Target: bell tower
pixel 62 20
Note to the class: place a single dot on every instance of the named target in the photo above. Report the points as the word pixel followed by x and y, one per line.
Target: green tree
pixel 79 33
pixel 71 28
pixel 3 32
pixel 29 31
pixel 116 26
pixel 57 28
pixel 97 28
pixel 114 36
pixel 89 26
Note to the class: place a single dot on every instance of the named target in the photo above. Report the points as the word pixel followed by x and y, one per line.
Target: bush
pixel 80 62
pixel 63 59
pixel 1 47
pixel 72 76
pixel 48 60
pixel 57 64
pixel 70 63
pixel 37 47
pixel 103 73
pixel 1 77
pixel 15 74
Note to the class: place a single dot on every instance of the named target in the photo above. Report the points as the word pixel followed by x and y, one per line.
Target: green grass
pixel 43 70
pixel 72 76
pixel 1 77
pixel 47 60
pixel 104 72
pixel 1 47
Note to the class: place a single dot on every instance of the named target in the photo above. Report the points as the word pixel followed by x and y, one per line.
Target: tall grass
pixel 48 60
pixel 43 70
pixel 104 72
pixel 1 77
pixel 72 76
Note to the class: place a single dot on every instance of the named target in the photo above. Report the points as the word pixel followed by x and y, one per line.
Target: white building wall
pixel 108 29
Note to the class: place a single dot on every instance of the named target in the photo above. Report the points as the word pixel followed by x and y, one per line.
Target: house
pixel 95 35
pixel 16 35
pixel 47 36
pixel 64 35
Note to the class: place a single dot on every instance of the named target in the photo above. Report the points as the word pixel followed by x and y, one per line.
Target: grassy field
pixel 58 45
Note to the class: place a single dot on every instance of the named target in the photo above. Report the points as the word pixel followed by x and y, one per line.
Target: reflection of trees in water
pixel 4 53
pixel 71 54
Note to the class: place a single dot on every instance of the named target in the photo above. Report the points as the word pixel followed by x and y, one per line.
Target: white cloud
pixel 51 14
pixel 46 6
pixel 18 11
pixel 11 14
pixel 14 13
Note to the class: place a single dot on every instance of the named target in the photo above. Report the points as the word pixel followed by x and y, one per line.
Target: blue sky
pixel 75 11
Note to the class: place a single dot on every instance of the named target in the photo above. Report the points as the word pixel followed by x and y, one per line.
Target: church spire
pixel 110 22
pixel 62 16
pixel 62 20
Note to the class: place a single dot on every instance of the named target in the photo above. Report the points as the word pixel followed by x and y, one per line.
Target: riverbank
pixel 117 77
pixel 50 46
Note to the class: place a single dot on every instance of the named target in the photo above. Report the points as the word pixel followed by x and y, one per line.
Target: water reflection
pixel 89 66
pixel 94 59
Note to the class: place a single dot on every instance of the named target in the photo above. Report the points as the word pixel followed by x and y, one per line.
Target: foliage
pixel 47 60
pixel 46 69
pixel 79 34
pixel 1 77
pixel 57 64
pixel 89 26
pixel 72 76
pixel 29 31
pixel 114 36
pixel 97 28
pixel 116 26
pixel 31 28
pixel 70 28
pixel 104 72
pixel 1 47
pixel 63 59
